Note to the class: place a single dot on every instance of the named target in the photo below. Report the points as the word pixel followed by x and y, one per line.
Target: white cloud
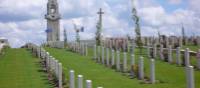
pixel 175 2
pixel 22 32
pixel 117 20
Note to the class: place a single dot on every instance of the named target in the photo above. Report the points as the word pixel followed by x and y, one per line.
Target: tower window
pixel 53 10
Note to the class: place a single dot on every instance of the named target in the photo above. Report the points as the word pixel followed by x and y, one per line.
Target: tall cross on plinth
pixel 100 15
pixel 99 28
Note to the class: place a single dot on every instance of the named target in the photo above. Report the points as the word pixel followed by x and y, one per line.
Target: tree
pixel 136 19
pixel 65 37
pixel 183 35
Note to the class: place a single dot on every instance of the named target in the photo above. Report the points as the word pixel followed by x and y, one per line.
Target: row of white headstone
pixel 79 48
pixel 189 68
pixel 99 57
pixel 79 81
pixel 55 44
pixel 170 57
pixel 51 64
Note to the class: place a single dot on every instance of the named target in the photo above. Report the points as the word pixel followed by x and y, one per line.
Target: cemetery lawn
pixel 19 69
pixel 169 75
pixel 191 47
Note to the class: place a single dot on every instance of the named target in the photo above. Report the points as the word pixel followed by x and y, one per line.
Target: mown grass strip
pixel 171 76
pixel 18 69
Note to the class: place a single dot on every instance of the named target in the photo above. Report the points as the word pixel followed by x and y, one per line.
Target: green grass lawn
pixel 18 69
pixel 171 75
pixel 191 47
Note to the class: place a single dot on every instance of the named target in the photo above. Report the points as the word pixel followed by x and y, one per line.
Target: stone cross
pixel 100 14
pixel 99 28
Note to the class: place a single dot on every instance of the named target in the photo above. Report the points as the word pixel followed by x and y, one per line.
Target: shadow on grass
pixel 44 74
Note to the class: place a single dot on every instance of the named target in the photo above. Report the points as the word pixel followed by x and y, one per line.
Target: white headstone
pixel 107 57
pixel 190 77
pixel 118 61
pixel 80 81
pixel 86 50
pixel 88 84
pixel 71 79
pixel 125 62
pixel 60 75
pixel 53 64
pixel 141 68
pixel 154 50
pixel 102 57
pixel 99 54
pixel 170 54
pixel 198 59
pixel 178 56
pixel 180 42
pixel 148 52
pixel 133 48
pixel 167 42
pixel 132 59
pixel 47 60
pixel 152 71
pixel 95 52
pixel 187 57
pixel 57 68
pixel 132 74
pixel 161 52
pixel 113 58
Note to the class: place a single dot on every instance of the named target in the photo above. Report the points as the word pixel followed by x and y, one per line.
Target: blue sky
pixel 23 21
